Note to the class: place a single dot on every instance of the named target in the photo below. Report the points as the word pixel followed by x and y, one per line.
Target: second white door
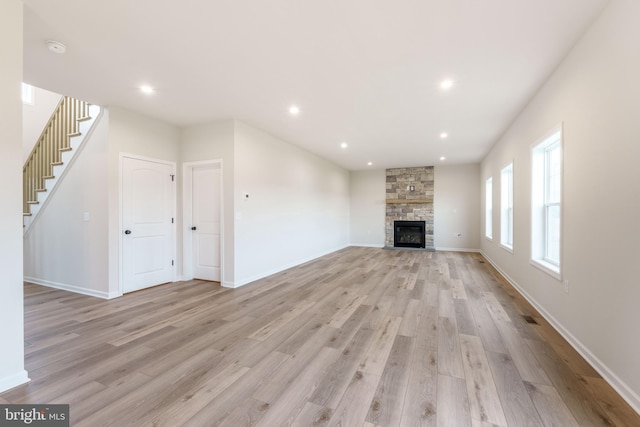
pixel 206 222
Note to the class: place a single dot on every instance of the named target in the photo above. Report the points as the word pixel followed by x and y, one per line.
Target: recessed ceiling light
pixel 446 84
pixel 343 145
pixel 444 135
pixel 443 158
pixel 146 89
pixel 294 110
pixel 369 164
pixel 56 47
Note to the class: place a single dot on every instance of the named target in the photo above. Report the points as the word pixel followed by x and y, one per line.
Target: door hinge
pixel 171 220
pixel 171 262
pixel 172 177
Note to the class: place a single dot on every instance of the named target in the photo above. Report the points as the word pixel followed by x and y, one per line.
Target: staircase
pixel 53 153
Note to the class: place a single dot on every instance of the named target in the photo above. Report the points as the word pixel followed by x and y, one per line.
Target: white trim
pixel 507 248
pixel 487 221
pixel 443 249
pixel 535 257
pixel 550 269
pixel 14 380
pixel 72 288
pixel 287 266
pixel 504 224
pixel 187 204
pixel 121 157
pixel 626 392
pixel 77 143
pixel 366 245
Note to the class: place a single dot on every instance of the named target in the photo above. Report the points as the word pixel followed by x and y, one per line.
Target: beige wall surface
pixel 457 207
pixel 12 371
pixel 298 205
pixel 367 208
pixel 595 95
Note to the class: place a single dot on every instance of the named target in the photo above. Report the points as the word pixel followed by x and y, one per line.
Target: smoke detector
pixel 56 47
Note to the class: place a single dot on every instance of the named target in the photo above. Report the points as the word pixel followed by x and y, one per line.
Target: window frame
pixel 488 209
pixel 28 94
pixel 506 207
pixel 541 203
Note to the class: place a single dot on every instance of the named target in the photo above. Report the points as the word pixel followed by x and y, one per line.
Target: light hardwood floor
pixel 361 337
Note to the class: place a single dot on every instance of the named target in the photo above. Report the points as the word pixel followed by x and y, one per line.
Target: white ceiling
pixel 366 72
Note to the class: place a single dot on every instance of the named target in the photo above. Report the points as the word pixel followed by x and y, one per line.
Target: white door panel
pixel 206 220
pixel 147 212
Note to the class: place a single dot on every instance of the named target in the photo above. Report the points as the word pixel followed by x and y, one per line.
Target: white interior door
pixel 148 198
pixel 206 222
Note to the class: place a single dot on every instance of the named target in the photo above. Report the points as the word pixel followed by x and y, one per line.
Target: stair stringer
pixel 76 142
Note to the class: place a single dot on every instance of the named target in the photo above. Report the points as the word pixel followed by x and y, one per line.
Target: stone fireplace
pixel 409 198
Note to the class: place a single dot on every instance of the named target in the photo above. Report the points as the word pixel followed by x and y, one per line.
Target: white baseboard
pixel 626 392
pixel 14 380
pixel 366 245
pixel 112 295
pixel 71 288
pixel 264 274
pixel 444 249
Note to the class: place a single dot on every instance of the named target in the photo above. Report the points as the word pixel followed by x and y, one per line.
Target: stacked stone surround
pixel 399 180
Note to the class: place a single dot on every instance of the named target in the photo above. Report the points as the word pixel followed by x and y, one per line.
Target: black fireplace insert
pixel 409 234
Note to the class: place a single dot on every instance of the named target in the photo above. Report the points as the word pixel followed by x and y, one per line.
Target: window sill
pixel 507 248
pixel 489 238
pixel 550 269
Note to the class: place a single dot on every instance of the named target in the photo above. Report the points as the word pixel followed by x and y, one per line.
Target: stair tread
pixel 65 149
pixel 26 214
pixel 74 134
pixel 56 163
pixel 83 119
pixel 32 202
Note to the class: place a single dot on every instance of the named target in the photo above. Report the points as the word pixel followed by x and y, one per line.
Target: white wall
pixel 595 93
pixel 136 134
pixel 214 141
pixel 298 206
pixel 35 116
pixel 12 371
pixel 456 204
pixel 61 249
pixel 367 208
pixel 456 207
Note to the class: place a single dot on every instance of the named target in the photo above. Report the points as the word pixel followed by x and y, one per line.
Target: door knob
pixel 127 231
pixel 193 228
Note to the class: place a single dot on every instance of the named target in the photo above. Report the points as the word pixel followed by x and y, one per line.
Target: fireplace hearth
pixel 409 234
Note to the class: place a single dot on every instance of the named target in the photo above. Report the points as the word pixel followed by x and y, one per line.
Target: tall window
pixel 506 207
pixel 488 206
pixel 546 203
pixel 27 94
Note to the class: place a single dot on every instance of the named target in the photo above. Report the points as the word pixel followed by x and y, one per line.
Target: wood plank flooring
pixel 361 337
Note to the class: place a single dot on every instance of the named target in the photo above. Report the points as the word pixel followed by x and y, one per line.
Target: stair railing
pixel 46 153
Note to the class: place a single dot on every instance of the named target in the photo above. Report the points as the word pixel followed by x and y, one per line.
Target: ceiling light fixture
pixel 369 164
pixel 443 158
pixel 444 135
pixel 446 84
pixel 343 145
pixel 294 110
pixel 56 47
pixel 146 89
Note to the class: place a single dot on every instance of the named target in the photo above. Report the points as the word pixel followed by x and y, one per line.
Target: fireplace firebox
pixel 409 234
